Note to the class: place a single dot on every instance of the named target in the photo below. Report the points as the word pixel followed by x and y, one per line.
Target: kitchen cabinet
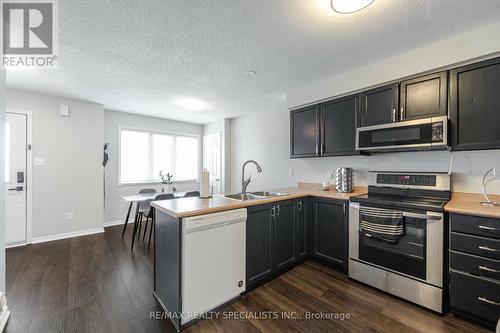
pixel 338 122
pixel 304 132
pixel 271 239
pixel 420 97
pixel 259 243
pixel 380 105
pixel 474 101
pixel 284 234
pixel 330 231
pixel 326 129
pixel 475 268
pixel 303 225
pixel 424 96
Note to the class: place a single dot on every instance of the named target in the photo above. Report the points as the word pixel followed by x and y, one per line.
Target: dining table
pixel 137 198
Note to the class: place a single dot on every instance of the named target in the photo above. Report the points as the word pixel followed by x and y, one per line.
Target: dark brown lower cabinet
pixel 475 268
pixel 330 231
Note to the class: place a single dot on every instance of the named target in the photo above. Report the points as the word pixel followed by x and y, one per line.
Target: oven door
pixel 416 134
pixel 417 254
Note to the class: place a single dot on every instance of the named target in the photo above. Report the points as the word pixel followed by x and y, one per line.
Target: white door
pixel 15 178
pixel 212 159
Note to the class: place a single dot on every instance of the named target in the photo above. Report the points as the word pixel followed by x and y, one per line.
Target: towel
pixel 383 224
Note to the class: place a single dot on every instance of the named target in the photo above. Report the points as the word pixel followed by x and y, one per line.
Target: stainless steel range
pixel 397 233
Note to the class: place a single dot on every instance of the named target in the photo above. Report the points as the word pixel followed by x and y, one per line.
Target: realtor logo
pixel 29 34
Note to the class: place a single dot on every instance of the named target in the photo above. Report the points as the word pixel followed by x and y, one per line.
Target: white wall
pixel 116 207
pixel 264 136
pixel 71 179
pixel 223 126
pixel 2 199
pixel 471 45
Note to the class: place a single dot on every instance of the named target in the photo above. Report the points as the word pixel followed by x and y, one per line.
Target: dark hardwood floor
pixel 95 284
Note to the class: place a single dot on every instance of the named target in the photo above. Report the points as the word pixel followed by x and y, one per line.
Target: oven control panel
pixel 402 179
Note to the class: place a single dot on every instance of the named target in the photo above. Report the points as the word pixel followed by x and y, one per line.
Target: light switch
pixel 64 110
pixel 290 172
pixel 39 161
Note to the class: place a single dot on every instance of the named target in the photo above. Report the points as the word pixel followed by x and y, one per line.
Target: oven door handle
pixel 422 216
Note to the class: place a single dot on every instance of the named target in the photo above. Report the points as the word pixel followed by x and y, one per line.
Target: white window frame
pixel 154 131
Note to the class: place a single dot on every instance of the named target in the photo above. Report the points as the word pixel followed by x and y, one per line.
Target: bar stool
pixel 143 208
pixel 191 194
pixel 159 197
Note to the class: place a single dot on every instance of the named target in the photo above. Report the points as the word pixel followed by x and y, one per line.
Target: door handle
pixel 487 228
pixel 278 207
pixel 394 114
pixel 17 188
pixel 485 300
pixel 402 113
pixel 487 269
pixel 422 216
pixel 486 248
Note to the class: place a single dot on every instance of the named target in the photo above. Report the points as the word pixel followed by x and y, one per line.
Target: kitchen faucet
pixel 244 183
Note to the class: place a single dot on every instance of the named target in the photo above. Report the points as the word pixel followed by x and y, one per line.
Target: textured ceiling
pixel 142 56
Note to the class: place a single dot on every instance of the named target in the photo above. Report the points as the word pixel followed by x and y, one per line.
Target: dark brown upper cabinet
pixel 338 122
pixel 326 129
pixel 380 105
pixel 424 96
pixel 304 132
pixel 474 106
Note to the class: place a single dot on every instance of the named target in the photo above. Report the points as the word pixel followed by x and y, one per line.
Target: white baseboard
pixel 67 235
pixel 113 223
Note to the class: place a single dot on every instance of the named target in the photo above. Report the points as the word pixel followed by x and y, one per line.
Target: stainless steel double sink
pixel 254 195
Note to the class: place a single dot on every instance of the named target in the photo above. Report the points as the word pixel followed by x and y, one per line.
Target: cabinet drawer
pixel 475 265
pixel 481 246
pixel 476 296
pixel 476 225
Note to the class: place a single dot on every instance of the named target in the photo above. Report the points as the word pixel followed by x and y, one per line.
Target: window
pixel 212 159
pixel 144 154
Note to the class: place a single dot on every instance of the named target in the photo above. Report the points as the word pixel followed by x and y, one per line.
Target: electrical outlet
pixel 290 172
pixel 39 161
pixel 70 216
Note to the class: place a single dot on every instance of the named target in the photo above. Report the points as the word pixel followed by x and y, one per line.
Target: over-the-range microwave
pixel 420 134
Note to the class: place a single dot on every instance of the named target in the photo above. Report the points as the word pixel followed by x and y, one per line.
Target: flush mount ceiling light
pixel 250 73
pixel 350 6
pixel 192 104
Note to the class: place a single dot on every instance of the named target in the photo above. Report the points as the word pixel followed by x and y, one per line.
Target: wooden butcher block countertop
pixel 186 207
pixel 470 204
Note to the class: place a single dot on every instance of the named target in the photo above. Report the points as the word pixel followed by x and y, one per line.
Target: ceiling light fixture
pixel 192 104
pixel 350 6
pixel 250 73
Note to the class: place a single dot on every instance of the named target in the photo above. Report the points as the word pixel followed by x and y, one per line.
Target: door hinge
pixel 28 147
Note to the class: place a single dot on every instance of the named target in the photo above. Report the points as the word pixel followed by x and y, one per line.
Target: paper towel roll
pixel 205 184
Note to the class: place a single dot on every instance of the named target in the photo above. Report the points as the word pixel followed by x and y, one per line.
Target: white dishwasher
pixel 213 261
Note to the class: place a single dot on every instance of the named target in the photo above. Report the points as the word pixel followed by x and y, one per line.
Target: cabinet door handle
pixel 278 213
pixel 273 211
pixel 322 151
pixel 485 300
pixel 317 149
pixel 394 114
pixel 486 248
pixel 299 204
pixel 485 227
pixel 487 269
pixel 402 113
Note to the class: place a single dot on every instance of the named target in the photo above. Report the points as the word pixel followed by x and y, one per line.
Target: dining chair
pixel 191 194
pixel 159 197
pixel 142 210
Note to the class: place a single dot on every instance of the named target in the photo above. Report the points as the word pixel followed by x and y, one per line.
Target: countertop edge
pixel 250 203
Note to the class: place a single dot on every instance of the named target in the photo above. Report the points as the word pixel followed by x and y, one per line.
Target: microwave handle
pixel 422 216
